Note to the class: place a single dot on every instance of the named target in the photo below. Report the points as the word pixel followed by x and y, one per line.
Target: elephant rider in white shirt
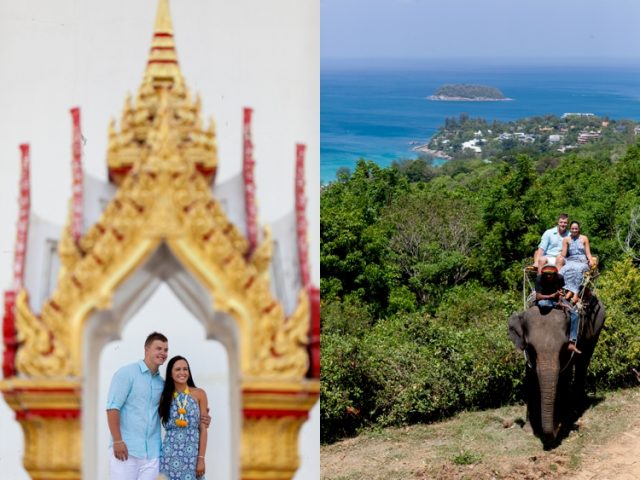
pixel 550 246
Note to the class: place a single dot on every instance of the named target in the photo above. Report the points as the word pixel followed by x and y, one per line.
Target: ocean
pixel 378 109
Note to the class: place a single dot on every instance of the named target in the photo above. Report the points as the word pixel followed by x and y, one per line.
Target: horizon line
pixel 454 58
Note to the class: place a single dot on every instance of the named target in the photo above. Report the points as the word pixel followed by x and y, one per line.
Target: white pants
pixel 133 468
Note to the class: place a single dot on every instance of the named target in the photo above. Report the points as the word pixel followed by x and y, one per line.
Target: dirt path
pixel 491 445
pixel 618 459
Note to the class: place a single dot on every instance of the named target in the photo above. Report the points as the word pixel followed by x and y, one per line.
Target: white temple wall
pixel 284 281
pixel 88 53
pixel 41 269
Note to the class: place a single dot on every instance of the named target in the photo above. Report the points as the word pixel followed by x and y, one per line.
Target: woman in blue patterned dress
pixel 578 260
pixel 185 442
pixel 577 254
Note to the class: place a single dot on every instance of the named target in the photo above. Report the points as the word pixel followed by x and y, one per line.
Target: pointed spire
pixel 248 166
pixel 301 218
pixel 77 216
pixel 24 207
pixel 162 66
pixel 163 18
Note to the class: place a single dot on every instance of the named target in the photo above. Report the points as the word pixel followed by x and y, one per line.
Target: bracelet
pixel 200 456
pixel 118 441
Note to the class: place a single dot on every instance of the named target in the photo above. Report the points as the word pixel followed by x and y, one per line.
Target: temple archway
pixel 163 285
pixel 163 224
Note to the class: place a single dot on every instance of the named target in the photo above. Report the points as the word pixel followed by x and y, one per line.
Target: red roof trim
pixel 48 413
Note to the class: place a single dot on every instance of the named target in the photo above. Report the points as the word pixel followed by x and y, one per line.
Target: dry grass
pixel 482 445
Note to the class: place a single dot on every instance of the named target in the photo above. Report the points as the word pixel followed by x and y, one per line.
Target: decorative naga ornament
pixel 162 162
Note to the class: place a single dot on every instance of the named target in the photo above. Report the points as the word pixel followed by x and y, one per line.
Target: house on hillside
pixel 586 137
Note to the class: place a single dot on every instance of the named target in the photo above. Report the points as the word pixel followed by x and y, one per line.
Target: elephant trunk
pixel 548 380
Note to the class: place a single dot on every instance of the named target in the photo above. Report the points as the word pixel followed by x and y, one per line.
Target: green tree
pixel 433 234
pixel 507 215
pixel 352 244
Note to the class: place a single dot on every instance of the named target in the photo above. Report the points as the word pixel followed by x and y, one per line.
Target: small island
pixel 467 93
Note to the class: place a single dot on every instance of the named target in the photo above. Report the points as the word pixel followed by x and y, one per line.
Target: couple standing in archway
pixel 139 401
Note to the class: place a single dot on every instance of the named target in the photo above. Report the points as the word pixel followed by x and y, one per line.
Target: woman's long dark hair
pixel 169 388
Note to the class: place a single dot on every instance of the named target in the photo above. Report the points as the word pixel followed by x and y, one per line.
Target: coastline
pixel 348 133
pixel 436 153
pixel 443 98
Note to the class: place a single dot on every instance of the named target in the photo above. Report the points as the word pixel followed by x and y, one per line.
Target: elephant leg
pixel 581 375
pixel 563 404
pixel 533 401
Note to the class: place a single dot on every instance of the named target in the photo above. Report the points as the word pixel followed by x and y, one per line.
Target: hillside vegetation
pixel 422 266
pixel 545 135
pixel 462 90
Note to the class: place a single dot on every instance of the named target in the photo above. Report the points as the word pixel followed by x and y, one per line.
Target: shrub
pixel 618 349
pixel 473 304
pixel 345 317
pixel 345 390
pixel 413 367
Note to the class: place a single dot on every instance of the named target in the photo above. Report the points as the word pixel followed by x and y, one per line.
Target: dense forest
pixel 421 267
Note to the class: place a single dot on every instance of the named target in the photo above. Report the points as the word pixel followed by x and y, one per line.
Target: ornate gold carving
pixel 68 251
pixel 53 448
pixel 287 350
pixel 261 258
pixel 40 353
pixel 269 448
pixel 48 412
pixel 165 199
pixel 274 412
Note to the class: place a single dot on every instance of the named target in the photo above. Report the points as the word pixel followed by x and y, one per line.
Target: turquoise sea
pixel 378 109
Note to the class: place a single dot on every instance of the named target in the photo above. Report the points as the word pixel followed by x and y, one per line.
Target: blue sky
pixel 526 29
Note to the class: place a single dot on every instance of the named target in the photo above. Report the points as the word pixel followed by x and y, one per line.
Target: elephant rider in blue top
pixel 550 246
pixel 549 285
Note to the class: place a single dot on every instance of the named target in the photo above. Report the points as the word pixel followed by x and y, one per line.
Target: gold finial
pixel 162 66
pixel 162 87
pixel 163 18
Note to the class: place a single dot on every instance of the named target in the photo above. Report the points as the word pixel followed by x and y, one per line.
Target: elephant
pixel 543 335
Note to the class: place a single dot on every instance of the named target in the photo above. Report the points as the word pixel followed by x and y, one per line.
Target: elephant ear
pixel 601 314
pixel 516 330
pixel 595 318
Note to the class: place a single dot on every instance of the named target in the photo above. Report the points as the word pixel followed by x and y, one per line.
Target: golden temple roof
pixel 162 74
pixel 158 159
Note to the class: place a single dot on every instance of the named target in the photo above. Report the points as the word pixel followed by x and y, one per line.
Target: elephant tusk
pixel 526 358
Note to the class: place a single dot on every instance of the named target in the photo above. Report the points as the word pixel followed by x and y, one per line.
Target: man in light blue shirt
pixel 132 414
pixel 548 252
